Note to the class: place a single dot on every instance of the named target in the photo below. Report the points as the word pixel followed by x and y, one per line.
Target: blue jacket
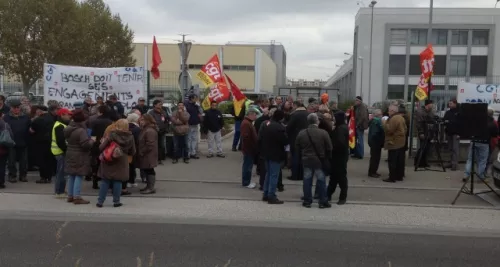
pixel 194 112
pixel 20 126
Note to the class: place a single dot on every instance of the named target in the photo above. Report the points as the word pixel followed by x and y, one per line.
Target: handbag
pixel 6 140
pixel 325 162
pixel 111 152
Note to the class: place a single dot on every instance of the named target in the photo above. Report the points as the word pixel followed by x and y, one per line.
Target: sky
pixel 315 33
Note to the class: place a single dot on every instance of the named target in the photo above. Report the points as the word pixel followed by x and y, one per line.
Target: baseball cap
pixel 64 111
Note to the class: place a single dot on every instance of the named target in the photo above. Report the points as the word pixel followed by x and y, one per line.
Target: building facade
pixel 304 82
pixel 464 39
pixel 249 66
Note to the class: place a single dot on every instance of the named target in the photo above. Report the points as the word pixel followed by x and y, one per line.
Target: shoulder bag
pixel 325 163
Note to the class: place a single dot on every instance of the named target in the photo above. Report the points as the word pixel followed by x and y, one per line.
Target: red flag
pixel 156 60
pixel 238 97
pixel 352 129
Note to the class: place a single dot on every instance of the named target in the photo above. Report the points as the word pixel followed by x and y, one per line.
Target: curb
pixel 365 203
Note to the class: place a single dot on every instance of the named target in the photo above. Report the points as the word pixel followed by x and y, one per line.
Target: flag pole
pixel 146 74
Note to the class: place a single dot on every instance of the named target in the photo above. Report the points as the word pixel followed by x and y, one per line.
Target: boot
pixel 148 182
pixel 150 188
pixel 80 201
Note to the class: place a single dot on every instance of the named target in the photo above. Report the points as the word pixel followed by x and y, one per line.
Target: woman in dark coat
pixel 98 126
pixel 133 126
pixel 77 160
pixel 116 171
pixel 147 154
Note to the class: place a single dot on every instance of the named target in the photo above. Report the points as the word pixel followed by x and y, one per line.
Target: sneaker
pixel 325 205
pixel 210 156
pixel 129 185
pixel 195 157
pixel 116 205
pixel 275 201
pixel 306 205
pixel 221 155
pixel 61 196
pixel 341 202
pixel 251 186
pixel 135 185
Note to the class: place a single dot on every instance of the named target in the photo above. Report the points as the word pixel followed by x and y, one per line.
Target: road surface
pixel 33 242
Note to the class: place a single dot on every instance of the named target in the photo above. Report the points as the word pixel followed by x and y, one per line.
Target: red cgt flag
pixel 238 97
pixel 156 60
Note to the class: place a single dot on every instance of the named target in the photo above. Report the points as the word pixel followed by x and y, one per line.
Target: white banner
pixel 69 84
pixel 479 93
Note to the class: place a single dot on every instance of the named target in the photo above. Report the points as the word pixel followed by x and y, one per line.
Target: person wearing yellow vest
pixel 58 148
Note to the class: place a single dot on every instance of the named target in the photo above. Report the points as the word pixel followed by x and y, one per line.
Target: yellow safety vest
pixel 54 148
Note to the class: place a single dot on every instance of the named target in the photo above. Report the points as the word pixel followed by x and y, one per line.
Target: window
pixel 478 65
pixel 395 91
pixel 459 37
pixel 480 37
pixel 399 37
pixel 458 65
pixel 439 65
pixel 397 64
pixel 440 37
pixel 418 37
pixel 452 87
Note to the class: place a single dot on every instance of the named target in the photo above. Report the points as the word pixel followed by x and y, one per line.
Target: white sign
pixel 479 93
pixel 69 84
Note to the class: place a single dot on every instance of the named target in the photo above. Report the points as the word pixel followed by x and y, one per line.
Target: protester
pixel 59 148
pixel 395 135
pixel 147 152
pixel 297 123
pixel 4 108
pixel 114 170
pixel 195 114
pixel 180 122
pixel 162 121
pixel 98 128
pixel 423 117
pixel 361 117
pixel 315 147
pixel 213 123
pixel 376 137
pixel 41 129
pixel 141 106
pixel 77 159
pixel 116 106
pixel 260 161
pixel 272 140
pixel 4 149
pixel 452 133
pixel 323 107
pixel 248 147
pixel 20 125
pixel 340 157
pixel 134 128
pixel 99 102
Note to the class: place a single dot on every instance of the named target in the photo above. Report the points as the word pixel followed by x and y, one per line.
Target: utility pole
pixel 429 41
pixel 372 5
pixel 184 79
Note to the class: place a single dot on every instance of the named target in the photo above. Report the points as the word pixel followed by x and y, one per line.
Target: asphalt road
pixel 94 244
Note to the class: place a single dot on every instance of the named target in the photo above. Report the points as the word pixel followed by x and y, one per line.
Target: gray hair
pixel 491 111
pixel 313 118
pixel 377 112
pixel 132 118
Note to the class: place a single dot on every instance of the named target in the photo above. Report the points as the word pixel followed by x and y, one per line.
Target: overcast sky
pixel 315 33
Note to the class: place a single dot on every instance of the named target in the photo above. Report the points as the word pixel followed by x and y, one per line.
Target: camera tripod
pixel 432 139
pixel 470 191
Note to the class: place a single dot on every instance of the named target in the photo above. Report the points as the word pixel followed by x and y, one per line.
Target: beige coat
pixel 395 132
pixel 147 151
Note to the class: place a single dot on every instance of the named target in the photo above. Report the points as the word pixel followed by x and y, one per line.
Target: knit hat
pixel 359 98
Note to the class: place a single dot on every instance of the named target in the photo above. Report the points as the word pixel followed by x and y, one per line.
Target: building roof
pixel 343 70
pixel 457 11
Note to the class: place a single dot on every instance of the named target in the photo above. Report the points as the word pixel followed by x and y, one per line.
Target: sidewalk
pixel 220 178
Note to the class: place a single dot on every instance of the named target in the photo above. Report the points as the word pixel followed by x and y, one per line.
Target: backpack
pixel 6 139
pixel 111 152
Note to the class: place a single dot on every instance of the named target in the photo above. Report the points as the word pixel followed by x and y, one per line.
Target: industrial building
pixel 254 68
pixel 465 41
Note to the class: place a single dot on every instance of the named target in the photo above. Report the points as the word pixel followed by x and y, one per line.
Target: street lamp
pixel 372 6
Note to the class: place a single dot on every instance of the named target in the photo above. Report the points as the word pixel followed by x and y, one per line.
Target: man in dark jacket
pixel 117 106
pixel 272 141
pixel 20 125
pixel 297 123
pixel 195 112
pixel 260 165
pixel 41 128
pixel 162 121
pixel 340 156
pixel 316 148
pixel 141 106
pixel 58 148
pixel 238 119
pixel 361 116
pixel 98 127
pixel 376 142
pixel 452 128
pixel 248 147
pixel 423 117
pixel 213 123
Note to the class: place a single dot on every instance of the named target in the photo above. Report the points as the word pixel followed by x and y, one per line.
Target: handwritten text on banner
pixel 69 84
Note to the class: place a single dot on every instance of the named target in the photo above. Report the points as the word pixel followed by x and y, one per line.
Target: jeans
pixel 214 141
pixel 74 186
pixel 181 146
pixel 18 154
pixel 359 150
pixel 103 190
pixel 60 183
pixel 481 156
pixel 263 174
pixel 247 167
pixel 3 162
pixel 237 133
pixel 273 169
pixel 193 139
pixel 320 185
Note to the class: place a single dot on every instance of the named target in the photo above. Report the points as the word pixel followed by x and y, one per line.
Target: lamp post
pixel 372 6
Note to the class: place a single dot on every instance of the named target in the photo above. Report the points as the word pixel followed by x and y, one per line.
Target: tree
pixel 60 32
